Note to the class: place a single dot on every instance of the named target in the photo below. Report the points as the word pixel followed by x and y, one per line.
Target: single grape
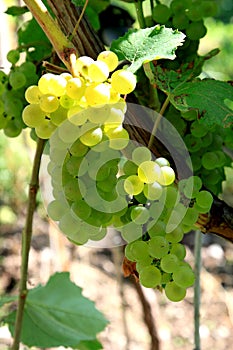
pixel 204 199
pixel 209 160
pixel 69 225
pixel 33 116
pixel 192 186
pixel 161 13
pixel 174 292
pixel 82 64
pixel 194 13
pixel 191 217
pixel 56 209
pixel 133 185
pixel 156 229
pixel 110 58
pixel 123 81
pixel 166 176
pixel 92 137
pixel 178 6
pixel 45 130
pixel 98 71
pixel 175 236
pixel 158 246
pixel 58 116
pixel 81 209
pixel 13 56
pixel 180 21
pixel 118 138
pixel 33 94
pixel 139 250
pixel 209 8
pixel 179 250
pixel 140 215
pixel 198 130
pixel 97 94
pixel 141 154
pixel 17 80
pixel 130 168
pixel 149 171
pixel 52 84
pixel 153 191
pixel 196 30
pixel 49 103
pixel 150 276
pixel 131 232
pixel 183 276
pixel 162 161
pixel 169 263
pixel 75 88
pixel 172 196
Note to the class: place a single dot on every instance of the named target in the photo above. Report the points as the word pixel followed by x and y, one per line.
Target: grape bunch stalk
pixel 101 179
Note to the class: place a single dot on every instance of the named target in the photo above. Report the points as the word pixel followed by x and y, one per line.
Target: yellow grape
pixel 97 94
pixel 123 81
pixel 33 116
pixel 98 72
pixel 49 103
pixel 33 94
pixel 110 58
pixel 75 88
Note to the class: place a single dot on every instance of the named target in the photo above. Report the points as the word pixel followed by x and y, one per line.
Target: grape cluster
pixel 12 90
pixel 57 98
pixel 187 16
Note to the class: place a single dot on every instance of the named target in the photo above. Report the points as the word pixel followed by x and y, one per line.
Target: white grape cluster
pixel 58 97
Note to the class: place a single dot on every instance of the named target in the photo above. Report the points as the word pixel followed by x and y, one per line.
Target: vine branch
pixel 26 242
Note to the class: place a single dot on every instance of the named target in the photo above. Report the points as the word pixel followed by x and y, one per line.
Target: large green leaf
pixel 209 97
pixel 16 10
pixel 57 314
pixel 144 45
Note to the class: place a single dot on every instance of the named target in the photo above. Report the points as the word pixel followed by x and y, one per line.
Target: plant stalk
pixel 63 47
pixel 26 243
pixel 140 15
pixel 197 289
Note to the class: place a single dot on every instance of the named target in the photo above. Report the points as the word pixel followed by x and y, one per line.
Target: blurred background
pixel 98 271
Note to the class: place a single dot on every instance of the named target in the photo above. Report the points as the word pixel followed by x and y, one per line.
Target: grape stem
pixel 79 20
pixel 157 121
pixel 140 15
pixel 197 290
pixel 26 243
pixel 63 47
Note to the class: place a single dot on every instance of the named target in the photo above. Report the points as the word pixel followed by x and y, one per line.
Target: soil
pixel 98 271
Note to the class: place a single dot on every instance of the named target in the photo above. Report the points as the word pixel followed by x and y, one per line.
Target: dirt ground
pixel 98 272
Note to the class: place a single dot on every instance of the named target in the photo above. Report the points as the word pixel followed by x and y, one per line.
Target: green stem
pixel 140 15
pixel 157 121
pixel 60 43
pixel 197 289
pixel 26 243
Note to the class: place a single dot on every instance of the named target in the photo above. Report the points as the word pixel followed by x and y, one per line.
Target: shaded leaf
pixel 7 299
pixel 144 45
pixel 209 97
pixel 58 315
pixel 90 345
pixel 16 10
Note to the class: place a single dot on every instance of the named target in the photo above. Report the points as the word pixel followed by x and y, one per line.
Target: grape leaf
pixel 144 45
pixel 209 97
pixel 57 314
pixel 90 345
pixel 16 10
pixel 7 299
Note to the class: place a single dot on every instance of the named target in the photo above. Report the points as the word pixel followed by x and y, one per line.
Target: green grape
pixel 153 191
pixel 13 56
pixel 99 235
pixel 66 101
pixel 58 116
pixel 33 116
pixel 139 250
pixel 192 186
pixel 118 138
pixel 195 13
pixel 49 103
pixel 201 210
pixel 133 185
pixel 161 14
pixel 196 30
pixel 72 165
pixel 196 162
pixel 129 255
pixel 179 250
pixel 198 130
pixel 209 160
pixel 140 264
pixel 33 94
pixel 45 130
pixel 98 114
pixel 166 277
pixel 92 137
pixel 69 225
pixel 123 81
pixel 12 129
pixel 191 217
pixel 174 292
pixel 78 149
pixel 141 154
pixel 180 21
pixel 75 88
pixel 193 143
pixel 130 168
pixel 150 276
pixel 97 94
pixel 108 184
pixel 156 209
pixel 178 6
pixel 158 246
pixel 175 236
pixel 131 232
pixel 82 64
pixel 169 263
pixel 115 117
pixel 110 58
pixel 56 209
pixel 149 171
pixel 166 176
pixel 77 115
pixel 222 159
pixel 17 80
pixel 204 199
pixel 172 197
pixel 80 237
pixel 140 215
pixel 183 276
pixel 209 8
pixel 81 209
pixel 156 229
pixel 52 84
pixel 74 189
pixel 98 71
pixel 14 107
pixel 212 178
pixel 4 119
pixel 162 161
pixel 190 115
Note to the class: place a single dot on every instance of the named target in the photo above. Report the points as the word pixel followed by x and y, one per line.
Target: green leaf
pixel 16 10
pixel 58 315
pixel 139 46
pixel 78 2
pixel 7 299
pixel 90 345
pixel 209 97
